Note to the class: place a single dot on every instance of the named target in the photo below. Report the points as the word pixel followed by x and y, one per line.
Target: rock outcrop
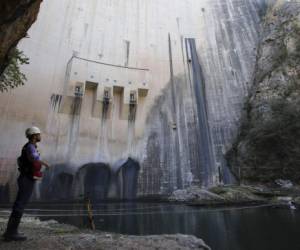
pixel 232 195
pixel 60 236
pixel 220 195
pixel 195 194
pixel 16 17
pixel 268 146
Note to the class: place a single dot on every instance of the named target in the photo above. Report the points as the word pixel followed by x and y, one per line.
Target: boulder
pixel 237 194
pixel 194 194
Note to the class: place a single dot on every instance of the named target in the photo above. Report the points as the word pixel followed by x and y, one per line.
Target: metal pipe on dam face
pixel 117 97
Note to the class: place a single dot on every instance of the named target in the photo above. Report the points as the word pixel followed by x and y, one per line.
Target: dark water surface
pixel 242 228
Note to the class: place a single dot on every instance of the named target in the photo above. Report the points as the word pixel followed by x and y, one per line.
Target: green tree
pixel 12 76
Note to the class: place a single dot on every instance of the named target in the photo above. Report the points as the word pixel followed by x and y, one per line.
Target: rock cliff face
pixel 16 17
pixel 268 146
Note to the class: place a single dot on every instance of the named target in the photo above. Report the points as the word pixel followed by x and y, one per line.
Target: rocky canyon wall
pixel 267 147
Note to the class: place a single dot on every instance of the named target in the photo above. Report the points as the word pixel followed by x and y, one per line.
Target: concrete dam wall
pixel 157 83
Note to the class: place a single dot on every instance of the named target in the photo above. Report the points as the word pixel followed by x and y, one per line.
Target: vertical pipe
pixel 174 136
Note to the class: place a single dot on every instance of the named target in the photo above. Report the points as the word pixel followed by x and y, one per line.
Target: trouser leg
pixel 25 190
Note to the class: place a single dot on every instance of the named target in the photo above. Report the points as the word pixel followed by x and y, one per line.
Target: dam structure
pixel 144 97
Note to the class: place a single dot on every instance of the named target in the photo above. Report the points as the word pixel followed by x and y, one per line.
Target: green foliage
pixel 12 76
pixel 275 143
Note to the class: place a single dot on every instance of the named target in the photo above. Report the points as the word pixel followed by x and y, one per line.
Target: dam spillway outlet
pixel 165 90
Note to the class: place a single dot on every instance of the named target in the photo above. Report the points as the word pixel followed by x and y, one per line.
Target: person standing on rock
pixel 29 165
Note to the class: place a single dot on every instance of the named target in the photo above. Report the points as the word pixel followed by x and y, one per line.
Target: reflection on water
pixel 262 228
